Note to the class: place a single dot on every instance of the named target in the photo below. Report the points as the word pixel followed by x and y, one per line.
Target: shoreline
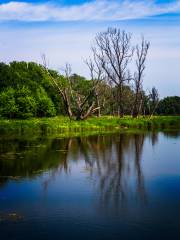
pixel 64 127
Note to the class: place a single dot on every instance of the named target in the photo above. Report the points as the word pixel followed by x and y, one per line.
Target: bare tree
pixel 62 88
pixel 109 66
pixel 76 104
pixel 113 52
pixel 141 55
pixel 83 104
pixel 97 77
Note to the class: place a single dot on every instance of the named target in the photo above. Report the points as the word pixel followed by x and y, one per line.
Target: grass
pixel 63 126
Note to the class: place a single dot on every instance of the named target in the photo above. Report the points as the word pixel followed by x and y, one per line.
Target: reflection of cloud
pixel 94 10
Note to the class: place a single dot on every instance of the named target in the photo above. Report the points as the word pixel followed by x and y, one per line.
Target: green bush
pixel 24 78
pixel 8 106
pixel 21 103
pixel 169 106
pixel 45 106
pixel 26 103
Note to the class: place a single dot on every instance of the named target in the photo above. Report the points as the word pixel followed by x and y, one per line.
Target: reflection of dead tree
pixel 111 163
pixel 111 168
pixel 113 182
pixel 154 137
pixel 139 142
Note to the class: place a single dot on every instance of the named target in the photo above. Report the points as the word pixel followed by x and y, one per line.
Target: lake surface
pixel 120 186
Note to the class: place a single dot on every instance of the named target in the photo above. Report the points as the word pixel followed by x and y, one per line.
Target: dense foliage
pixel 169 106
pixel 27 90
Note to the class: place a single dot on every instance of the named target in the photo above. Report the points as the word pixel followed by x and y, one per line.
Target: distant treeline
pixel 27 90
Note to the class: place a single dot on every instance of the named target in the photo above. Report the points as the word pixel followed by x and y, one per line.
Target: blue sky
pixel 64 31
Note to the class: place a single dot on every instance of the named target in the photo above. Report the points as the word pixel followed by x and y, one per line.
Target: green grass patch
pixel 63 126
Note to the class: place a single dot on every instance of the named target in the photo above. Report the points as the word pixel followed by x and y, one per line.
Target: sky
pixel 64 30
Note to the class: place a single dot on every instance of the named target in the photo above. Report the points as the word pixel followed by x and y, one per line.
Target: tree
pixel 60 83
pixel 153 101
pixel 84 96
pixel 97 77
pixel 45 106
pixel 8 106
pixel 26 103
pixel 32 77
pixel 169 106
pixel 114 52
pixel 77 104
pixel 141 55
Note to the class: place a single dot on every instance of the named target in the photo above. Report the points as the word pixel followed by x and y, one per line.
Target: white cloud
pixel 96 10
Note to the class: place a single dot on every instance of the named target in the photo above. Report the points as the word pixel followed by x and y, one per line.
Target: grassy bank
pixel 63 126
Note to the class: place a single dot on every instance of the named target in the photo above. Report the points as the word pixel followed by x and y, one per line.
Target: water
pixel 123 186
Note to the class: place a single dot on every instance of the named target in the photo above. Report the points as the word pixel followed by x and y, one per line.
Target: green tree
pixel 8 107
pixel 169 106
pixel 26 103
pixel 45 106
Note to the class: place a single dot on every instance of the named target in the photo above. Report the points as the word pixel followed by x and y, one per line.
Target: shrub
pixel 8 106
pixel 169 106
pixel 45 106
pixel 26 103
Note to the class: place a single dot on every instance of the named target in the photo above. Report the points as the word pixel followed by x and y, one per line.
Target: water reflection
pixel 113 163
pixel 112 187
pixel 22 158
pixel 172 134
pixel 115 167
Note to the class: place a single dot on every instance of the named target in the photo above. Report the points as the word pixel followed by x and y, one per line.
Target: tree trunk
pixel 98 104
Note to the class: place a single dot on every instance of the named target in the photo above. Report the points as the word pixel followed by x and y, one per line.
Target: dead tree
pixel 97 77
pixel 62 87
pixel 141 55
pixel 77 105
pixel 113 51
pixel 84 105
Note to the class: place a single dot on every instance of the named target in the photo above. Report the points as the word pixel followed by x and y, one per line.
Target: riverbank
pixel 63 126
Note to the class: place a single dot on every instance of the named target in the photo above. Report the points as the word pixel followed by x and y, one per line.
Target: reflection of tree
pixel 63 146
pixel 138 143
pixel 29 157
pixel 172 134
pixel 113 162
pixel 154 137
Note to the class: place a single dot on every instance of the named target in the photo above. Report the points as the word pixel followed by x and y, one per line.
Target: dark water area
pixel 120 186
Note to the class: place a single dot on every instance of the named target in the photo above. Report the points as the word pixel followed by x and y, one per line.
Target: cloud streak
pixel 97 10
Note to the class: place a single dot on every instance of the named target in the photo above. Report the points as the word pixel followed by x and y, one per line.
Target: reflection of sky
pixel 69 204
pixel 158 162
pixel 69 41
pixel 161 160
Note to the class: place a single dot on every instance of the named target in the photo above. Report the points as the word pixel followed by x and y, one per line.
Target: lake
pixel 119 186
